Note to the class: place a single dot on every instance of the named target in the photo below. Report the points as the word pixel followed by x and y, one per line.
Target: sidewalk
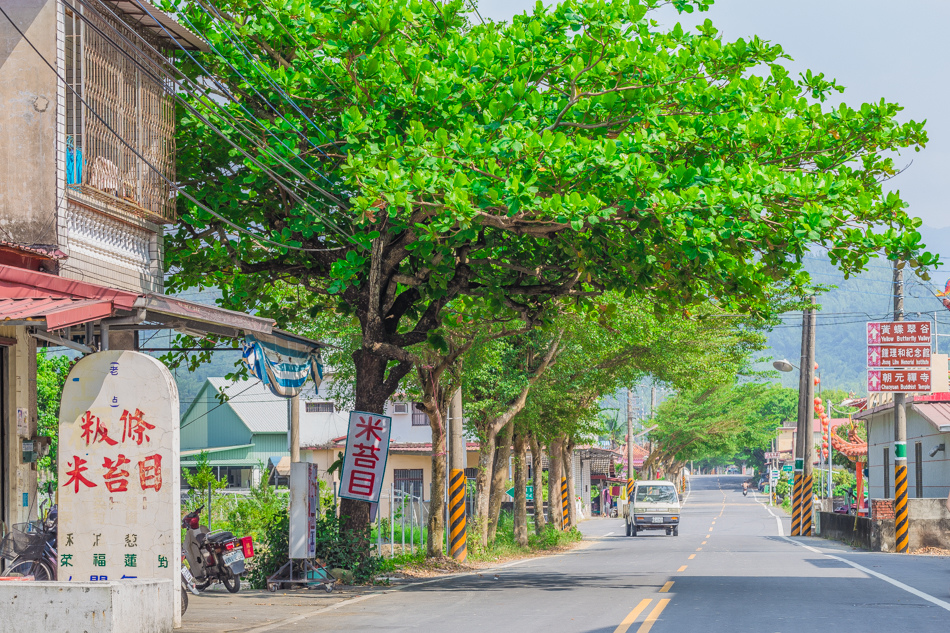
pixel 253 610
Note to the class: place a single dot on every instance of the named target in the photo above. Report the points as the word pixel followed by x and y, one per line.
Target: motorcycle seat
pixel 219 536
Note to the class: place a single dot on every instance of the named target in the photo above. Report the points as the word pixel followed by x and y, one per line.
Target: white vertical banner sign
pixel 119 490
pixel 304 506
pixel 364 463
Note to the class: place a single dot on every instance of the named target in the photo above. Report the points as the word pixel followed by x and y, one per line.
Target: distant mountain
pixel 840 343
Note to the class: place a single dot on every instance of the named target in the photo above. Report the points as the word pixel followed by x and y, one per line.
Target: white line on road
pixel 608 533
pixel 920 594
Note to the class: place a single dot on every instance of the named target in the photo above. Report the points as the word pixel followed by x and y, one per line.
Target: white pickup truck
pixel 653 505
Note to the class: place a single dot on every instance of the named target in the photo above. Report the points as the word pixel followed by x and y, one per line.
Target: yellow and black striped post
pixel 629 489
pixel 901 536
pixel 565 521
pixel 807 496
pixel 457 546
pixel 797 505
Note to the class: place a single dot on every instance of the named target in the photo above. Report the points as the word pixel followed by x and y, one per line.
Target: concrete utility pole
pixel 293 405
pixel 629 432
pixel 900 432
pixel 800 432
pixel 456 433
pixel 809 454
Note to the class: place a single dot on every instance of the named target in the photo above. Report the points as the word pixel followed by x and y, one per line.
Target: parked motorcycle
pixel 214 556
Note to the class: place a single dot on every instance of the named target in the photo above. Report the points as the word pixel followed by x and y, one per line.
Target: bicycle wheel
pixel 39 569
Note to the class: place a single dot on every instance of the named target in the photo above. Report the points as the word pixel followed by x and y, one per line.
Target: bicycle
pixel 31 546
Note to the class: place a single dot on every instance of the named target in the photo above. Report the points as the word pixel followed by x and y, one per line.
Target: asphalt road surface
pixel 730 570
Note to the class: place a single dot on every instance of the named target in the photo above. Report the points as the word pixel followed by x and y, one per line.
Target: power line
pixel 144 160
pixel 233 121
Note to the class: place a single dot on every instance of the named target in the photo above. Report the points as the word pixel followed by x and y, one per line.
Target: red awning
pixel 19 283
pixel 59 312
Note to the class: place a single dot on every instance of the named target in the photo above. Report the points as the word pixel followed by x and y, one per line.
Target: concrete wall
pixel 19 385
pixel 28 123
pixel 131 606
pixel 936 470
pixel 928 519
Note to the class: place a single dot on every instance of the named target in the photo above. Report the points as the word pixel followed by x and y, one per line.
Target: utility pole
pixel 293 407
pixel 807 495
pixel 457 530
pixel 900 432
pixel 652 414
pixel 629 433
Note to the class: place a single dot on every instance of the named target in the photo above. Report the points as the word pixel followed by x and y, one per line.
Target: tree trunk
pixel 436 537
pixel 520 483
pixel 372 390
pixel 569 473
pixel 554 483
pixel 499 478
pixel 486 456
pixel 538 482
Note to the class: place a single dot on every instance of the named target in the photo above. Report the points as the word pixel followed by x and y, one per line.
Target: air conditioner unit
pixel 400 407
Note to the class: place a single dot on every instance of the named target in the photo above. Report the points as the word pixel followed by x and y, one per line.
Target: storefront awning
pixel 48 303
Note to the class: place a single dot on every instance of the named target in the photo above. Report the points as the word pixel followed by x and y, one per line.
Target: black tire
pixel 676 531
pixel 328 587
pixel 40 569
pixel 633 530
pixel 232 583
pixel 272 587
pixel 626 526
pixel 201 586
pixel 184 599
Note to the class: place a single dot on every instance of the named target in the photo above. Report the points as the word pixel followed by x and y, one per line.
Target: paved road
pixel 729 570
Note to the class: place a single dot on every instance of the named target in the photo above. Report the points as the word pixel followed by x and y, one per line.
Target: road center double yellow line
pixel 650 619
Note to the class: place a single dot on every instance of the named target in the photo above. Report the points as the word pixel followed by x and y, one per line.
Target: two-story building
pixel 87 186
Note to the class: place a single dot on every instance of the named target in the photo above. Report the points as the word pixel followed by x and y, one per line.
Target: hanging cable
pixel 145 161
pixel 203 98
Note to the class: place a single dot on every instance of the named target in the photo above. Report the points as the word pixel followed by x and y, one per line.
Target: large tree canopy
pixel 390 156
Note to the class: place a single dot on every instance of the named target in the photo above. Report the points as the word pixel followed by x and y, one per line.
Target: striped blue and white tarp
pixel 284 369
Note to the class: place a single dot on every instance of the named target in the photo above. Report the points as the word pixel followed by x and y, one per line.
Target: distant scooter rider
pixel 745 488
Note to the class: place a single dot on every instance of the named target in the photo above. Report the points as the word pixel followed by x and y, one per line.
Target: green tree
pixel 578 149
pixel 51 374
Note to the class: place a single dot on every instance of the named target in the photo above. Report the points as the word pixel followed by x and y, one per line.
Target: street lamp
pixel 784 365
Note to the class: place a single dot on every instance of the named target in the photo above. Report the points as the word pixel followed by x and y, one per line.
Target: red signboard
pixel 899 333
pixel 898 381
pixel 915 356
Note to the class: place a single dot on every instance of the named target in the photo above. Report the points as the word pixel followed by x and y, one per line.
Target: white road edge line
pixel 608 533
pixel 911 590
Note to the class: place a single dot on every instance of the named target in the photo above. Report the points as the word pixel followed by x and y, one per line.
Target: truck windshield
pixel 656 494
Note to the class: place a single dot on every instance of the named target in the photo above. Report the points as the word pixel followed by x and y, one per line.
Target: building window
pixel 887 473
pixel 130 103
pixel 408 480
pixel 319 407
pixel 419 418
pixel 471 473
pixel 919 468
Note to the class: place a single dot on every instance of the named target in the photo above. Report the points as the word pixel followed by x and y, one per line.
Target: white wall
pixel 936 470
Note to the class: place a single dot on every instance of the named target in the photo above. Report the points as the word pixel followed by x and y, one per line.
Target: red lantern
pixel 817 401
pixel 816 365
pixel 824 454
pixel 824 444
pixel 817 381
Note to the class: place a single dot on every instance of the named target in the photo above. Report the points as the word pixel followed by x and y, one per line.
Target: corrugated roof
pixel 58 312
pixel 937 413
pixel 252 401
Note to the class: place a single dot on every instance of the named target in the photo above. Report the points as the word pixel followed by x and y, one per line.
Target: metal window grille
pixel 419 418
pixel 919 469
pixel 137 108
pixel 408 480
pixel 319 407
pixel 887 473
pixel 471 473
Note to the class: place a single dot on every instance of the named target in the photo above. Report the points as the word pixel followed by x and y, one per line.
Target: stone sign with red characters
pixel 119 505
pixel 364 463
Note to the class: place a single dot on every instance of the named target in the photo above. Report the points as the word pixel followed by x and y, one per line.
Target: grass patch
pixel 504 546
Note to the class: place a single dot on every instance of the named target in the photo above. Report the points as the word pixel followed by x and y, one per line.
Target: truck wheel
pixel 633 530
pixel 676 531
pixel 669 531
pixel 626 526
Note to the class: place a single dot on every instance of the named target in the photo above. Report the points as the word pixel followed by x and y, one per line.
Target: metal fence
pixel 403 530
